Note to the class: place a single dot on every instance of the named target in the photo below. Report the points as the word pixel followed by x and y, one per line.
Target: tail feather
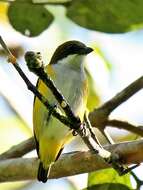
pixel 42 173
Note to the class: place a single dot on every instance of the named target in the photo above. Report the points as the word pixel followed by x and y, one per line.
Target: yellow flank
pixel 39 108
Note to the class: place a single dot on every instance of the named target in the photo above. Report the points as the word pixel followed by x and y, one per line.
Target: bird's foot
pixel 82 130
pixel 120 168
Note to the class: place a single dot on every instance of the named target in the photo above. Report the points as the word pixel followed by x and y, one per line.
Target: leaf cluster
pixel 32 17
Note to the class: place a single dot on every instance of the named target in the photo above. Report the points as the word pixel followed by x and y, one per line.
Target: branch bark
pixel 19 150
pixel 99 116
pixel 125 125
pixel 71 163
pixel 124 95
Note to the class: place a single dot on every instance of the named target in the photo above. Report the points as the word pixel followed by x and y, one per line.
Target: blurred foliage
pixel 32 19
pixel 12 132
pixel 108 179
pixel 114 17
pixel 108 186
pixel 14 186
pixel 93 100
pixel 29 19
pixel 3 12
pixel 128 137
pixel 106 62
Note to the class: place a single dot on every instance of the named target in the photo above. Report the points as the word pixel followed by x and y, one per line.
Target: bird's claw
pixel 126 170
pixel 121 169
pixel 82 129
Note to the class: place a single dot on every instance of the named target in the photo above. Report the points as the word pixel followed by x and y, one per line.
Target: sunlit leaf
pixel 112 16
pixel 28 18
pixel 108 176
pixel 109 186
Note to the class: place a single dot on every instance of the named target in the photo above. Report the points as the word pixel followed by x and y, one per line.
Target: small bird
pixel 66 69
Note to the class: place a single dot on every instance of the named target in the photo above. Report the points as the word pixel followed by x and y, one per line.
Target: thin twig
pixel 139 182
pixel 107 136
pixel 99 116
pixel 125 125
pixel 31 87
pixel 35 65
pixel 123 96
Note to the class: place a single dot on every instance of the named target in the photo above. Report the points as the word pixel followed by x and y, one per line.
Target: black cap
pixel 70 48
pixel 88 50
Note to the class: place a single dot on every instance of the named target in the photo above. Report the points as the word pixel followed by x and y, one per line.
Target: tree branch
pixel 124 95
pixel 29 144
pixel 19 150
pixel 99 116
pixel 71 163
pixel 125 125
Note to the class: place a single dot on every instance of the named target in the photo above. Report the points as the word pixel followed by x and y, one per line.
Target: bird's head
pixel 69 51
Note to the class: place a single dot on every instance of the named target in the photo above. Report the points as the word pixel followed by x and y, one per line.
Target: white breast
pixel 70 80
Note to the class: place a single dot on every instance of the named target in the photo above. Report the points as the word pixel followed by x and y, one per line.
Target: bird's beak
pixel 88 50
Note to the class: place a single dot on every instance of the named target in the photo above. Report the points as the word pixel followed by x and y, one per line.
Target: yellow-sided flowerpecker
pixel 66 69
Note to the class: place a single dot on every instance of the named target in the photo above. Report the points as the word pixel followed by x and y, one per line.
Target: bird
pixel 67 69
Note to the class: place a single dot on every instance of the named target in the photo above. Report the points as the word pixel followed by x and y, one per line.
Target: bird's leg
pixel 121 169
pixel 83 130
pixel 107 136
pixel 90 128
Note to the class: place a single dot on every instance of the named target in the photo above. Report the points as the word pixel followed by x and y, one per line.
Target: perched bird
pixel 66 68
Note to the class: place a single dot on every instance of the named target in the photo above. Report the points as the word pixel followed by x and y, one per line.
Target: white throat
pixel 73 61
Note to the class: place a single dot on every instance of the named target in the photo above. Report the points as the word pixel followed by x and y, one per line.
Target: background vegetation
pixel 114 29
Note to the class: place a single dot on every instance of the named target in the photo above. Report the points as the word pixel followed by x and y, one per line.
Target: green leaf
pixel 112 16
pixel 28 18
pixel 109 186
pixel 108 176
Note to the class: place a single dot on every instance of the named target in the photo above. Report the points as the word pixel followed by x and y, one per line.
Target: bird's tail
pixel 42 173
